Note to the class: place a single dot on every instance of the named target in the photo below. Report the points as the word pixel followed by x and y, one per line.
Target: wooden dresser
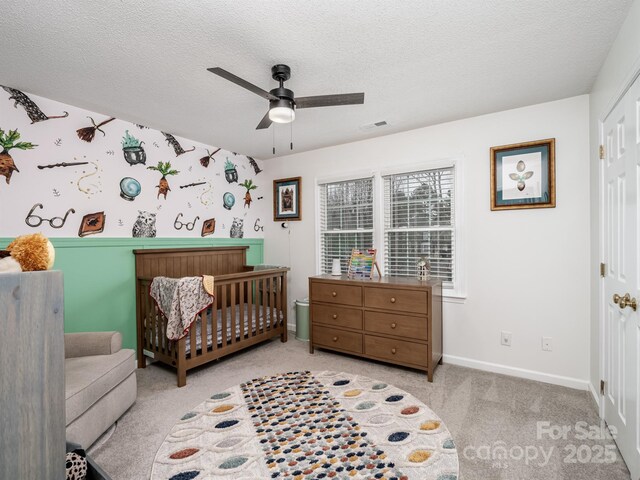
pixel 393 319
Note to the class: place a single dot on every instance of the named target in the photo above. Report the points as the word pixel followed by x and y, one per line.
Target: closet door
pixel 620 182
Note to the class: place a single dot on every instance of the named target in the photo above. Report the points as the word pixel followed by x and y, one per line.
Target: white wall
pixel 526 270
pixel 619 68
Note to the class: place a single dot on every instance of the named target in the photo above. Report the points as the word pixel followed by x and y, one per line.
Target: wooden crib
pixel 251 306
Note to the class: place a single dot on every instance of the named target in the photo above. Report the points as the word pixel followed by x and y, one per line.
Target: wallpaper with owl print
pixel 69 172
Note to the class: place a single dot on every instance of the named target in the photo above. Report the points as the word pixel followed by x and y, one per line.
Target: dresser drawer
pixel 338 339
pixel 336 293
pixel 396 324
pixel 398 351
pixel 338 316
pixel 413 301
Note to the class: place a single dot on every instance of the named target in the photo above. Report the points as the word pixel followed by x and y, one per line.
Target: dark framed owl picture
pixel 286 199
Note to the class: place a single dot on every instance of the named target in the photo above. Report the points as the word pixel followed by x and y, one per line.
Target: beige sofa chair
pixel 100 383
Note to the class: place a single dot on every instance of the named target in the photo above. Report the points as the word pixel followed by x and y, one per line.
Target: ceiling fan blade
pixel 330 100
pixel 265 122
pixel 241 82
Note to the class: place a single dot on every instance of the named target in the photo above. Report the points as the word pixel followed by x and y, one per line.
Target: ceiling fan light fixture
pixel 282 111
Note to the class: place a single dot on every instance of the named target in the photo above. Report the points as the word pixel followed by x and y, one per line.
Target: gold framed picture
pixel 523 175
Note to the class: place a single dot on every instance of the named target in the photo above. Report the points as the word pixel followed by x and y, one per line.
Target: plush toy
pixel 28 253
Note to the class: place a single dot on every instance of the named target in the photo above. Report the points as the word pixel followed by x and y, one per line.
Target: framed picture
pixel 286 199
pixel 523 175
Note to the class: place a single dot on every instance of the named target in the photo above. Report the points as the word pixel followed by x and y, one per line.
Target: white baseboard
pixel 518 372
pixel 595 394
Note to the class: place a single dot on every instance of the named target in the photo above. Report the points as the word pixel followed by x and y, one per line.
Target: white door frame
pixel 613 103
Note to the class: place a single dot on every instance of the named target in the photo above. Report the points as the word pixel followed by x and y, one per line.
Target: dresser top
pixel 386 280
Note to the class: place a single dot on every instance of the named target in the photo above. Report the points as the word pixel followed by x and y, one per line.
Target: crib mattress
pixel 257 324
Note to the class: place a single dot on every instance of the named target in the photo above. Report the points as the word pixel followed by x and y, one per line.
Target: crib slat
pixel 162 333
pixel 272 301
pixel 259 299
pixel 157 332
pixel 204 341
pixel 193 340
pixel 154 332
pixel 234 325
pixel 223 300
pixel 140 318
pixel 241 300
pixel 213 321
pixel 252 330
pixel 265 295
pixel 279 301
pixel 147 320
pixel 276 307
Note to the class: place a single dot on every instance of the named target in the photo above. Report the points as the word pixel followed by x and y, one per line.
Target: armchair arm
pixel 91 343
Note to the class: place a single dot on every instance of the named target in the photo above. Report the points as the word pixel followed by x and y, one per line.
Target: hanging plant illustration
pixel 132 149
pixel 248 184
pixel 520 177
pixel 9 141
pixel 230 172
pixel 165 169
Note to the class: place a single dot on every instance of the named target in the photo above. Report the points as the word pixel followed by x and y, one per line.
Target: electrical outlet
pixel 505 338
pixel 547 344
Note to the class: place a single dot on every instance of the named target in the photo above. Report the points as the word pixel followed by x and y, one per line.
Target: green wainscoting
pixel 99 278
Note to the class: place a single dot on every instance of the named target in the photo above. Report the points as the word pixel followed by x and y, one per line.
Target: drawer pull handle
pixel 394 325
pixel 393 351
pixel 335 315
pixel 393 299
pixel 334 294
pixel 335 339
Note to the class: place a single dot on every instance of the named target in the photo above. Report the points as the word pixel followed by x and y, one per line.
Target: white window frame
pixel 457 292
pixel 319 183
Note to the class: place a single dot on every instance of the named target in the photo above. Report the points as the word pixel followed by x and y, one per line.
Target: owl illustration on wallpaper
pixel 145 226
pixel 237 228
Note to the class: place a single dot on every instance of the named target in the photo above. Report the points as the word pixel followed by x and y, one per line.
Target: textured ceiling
pixel 418 62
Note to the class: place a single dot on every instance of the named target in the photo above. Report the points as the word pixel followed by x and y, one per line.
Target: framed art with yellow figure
pixel 523 175
pixel 286 199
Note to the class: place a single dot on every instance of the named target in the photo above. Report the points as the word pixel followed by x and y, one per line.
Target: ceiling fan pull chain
pixel 291 136
pixel 273 139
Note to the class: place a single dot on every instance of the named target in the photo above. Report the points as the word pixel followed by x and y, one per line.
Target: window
pixel 405 213
pixel 346 220
pixel 419 222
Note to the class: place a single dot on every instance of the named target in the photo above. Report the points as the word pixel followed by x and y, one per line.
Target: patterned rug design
pixel 305 425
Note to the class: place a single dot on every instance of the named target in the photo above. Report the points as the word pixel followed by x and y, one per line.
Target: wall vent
pixel 370 126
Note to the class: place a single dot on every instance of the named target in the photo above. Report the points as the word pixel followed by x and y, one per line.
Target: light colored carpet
pixel 487 414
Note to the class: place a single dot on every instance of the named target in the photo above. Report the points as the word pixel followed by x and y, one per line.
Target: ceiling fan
pixel 282 102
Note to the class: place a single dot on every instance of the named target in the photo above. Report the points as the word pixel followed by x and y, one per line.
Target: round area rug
pixel 308 425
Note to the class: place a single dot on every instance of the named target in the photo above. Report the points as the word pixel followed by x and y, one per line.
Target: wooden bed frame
pixel 236 284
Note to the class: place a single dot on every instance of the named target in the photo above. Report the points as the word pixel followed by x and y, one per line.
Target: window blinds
pixel 346 220
pixel 419 222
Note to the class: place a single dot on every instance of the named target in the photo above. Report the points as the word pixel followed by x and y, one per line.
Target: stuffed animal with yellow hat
pixel 28 253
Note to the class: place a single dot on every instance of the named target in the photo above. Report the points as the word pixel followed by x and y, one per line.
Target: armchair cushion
pixel 90 378
pixel 91 343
